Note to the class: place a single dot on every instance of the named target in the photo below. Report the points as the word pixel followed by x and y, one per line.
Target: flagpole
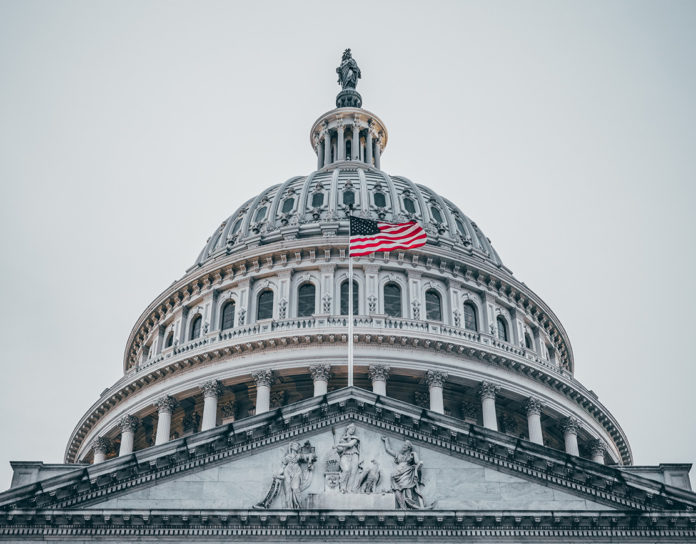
pixel 350 312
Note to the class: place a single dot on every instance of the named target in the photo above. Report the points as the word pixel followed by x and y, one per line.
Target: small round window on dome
pixel 348 198
pixel 380 200
pixel 409 205
pixel 437 216
pixel 260 214
pixel 317 200
pixel 288 205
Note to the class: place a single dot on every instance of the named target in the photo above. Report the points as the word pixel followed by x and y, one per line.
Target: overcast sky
pixel 129 130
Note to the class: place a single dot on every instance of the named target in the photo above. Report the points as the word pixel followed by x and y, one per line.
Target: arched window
pixel 227 319
pixel 380 200
pixel 260 214
pixel 288 205
pixel 196 327
pixel 470 319
pixel 306 300
pixel 348 198
pixel 170 340
pixel 237 224
pixel 437 216
pixel 317 200
pixel 344 298
pixel 264 308
pixel 433 305
pixel 502 329
pixel 392 300
pixel 528 341
pixel 409 205
pixel 461 228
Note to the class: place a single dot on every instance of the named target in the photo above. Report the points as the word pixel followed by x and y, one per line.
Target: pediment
pixel 234 467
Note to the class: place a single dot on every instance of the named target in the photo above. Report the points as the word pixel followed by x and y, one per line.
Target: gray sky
pixel 130 130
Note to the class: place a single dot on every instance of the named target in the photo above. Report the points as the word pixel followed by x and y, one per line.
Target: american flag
pixel 367 236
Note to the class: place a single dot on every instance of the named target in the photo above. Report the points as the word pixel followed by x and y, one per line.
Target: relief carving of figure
pixel 406 479
pixel 348 72
pixel 369 477
pixel 294 477
pixel 348 448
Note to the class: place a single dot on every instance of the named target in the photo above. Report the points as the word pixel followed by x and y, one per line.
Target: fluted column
pixel 341 140
pixel 264 380
pixel 320 154
pixel 100 446
pixel 320 376
pixel 165 407
pixel 534 407
pixel 378 376
pixel 570 428
pixel 487 392
pixel 598 447
pixel 368 147
pixel 128 426
pixel 211 391
pixel 436 380
pixel 327 148
pixel 355 148
pixel 378 153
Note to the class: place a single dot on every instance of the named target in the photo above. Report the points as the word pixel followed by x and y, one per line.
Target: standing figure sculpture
pixel 348 448
pixel 294 477
pixel 348 72
pixel 406 479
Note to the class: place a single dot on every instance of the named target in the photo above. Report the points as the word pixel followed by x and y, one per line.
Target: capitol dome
pixel 260 320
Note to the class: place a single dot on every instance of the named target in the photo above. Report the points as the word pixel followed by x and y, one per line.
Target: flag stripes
pixel 367 236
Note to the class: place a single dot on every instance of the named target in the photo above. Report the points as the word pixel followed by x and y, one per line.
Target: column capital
pixel 598 447
pixel 488 390
pixel 378 372
pixel 101 444
pixel 165 404
pixel 435 378
pixel 129 423
pixel 320 372
pixel 533 406
pixel 211 388
pixel 263 377
pixel 340 124
pixel 570 425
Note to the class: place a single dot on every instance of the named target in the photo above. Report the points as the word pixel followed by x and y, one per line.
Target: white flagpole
pixel 350 312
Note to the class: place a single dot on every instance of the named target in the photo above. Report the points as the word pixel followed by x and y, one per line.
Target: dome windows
pixel 392 300
pixel 433 305
pixel 437 216
pixel 170 340
pixel 288 205
pixel 227 319
pixel 306 300
pixel 380 200
pixel 344 297
pixel 260 215
pixel 317 200
pixel 528 341
pixel 264 309
pixel 195 327
pixel 349 198
pixel 409 205
pixel 470 319
pixel 502 329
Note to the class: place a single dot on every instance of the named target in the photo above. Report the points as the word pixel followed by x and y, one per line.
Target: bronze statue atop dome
pixel 348 72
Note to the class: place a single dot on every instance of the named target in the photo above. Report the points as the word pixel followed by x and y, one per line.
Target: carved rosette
pixel 378 373
pixel 129 424
pixel 598 447
pixel 212 388
pixel 165 404
pixel 101 444
pixel 263 377
pixel 435 378
pixel 533 406
pixel 488 390
pixel 570 425
pixel 320 372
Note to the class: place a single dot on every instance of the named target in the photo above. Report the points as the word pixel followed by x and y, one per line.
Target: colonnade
pixel 324 143
pixel 321 373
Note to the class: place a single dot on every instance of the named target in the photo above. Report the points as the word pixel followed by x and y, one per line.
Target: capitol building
pixel 234 419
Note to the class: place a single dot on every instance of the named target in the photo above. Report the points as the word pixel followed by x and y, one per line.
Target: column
pixel 211 389
pixel 320 375
pixel 264 380
pixel 598 447
pixel 101 448
pixel 435 380
pixel 570 428
pixel 487 392
pixel 128 426
pixel 320 154
pixel 378 376
pixel 341 140
pixel 368 147
pixel 533 407
pixel 355 148
pixel 327 148
pixel 165 407
pixel 377 153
